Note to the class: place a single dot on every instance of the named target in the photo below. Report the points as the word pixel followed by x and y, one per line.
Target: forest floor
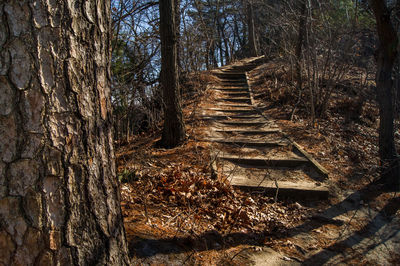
pixel 176 211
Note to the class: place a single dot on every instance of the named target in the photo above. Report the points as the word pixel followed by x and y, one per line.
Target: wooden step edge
pixel 233 86
pixel 317 166
pixel 233 98
pixel 225 117
pixel 234 110
pixel 301 190
pixel 251 143
pixel 262 161
pixel 247 100
pixel 236 94
pixel 232 89
pixel 226 80
pixel 235 105
pixel 251 132
pixel 211 116
pixel 320 169
pixel 243 123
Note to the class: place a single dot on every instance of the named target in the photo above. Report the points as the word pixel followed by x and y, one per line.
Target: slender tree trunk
pixel 251 29
pixel 236 34
pixel 174 128
pixel 299 53
pixel 387 53
pixel 221 52
pixel 212 54
pixel 207 55
pixel 223 41
pixel 59 196
pixel 177 14
pixel 299 45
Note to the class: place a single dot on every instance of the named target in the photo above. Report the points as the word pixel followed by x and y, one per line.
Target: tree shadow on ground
pixel 384 216
pixel 212 240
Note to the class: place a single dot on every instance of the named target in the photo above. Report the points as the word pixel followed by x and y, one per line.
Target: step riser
pixel 226 91
pixel 238 94
pixel 237 111
pixel 291 193
pixel 231 76
pixel 268 162
pixel 233 85
pixel 239 124
pixel 243 81
pixel 223 105
pixel 230 84
pixel 226 117
pixel 249 132
pixel 233 100
pixel 250 145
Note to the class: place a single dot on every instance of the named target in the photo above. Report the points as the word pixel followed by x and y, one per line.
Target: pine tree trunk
pixel 174 128
pixel 59 197
pixel 387 53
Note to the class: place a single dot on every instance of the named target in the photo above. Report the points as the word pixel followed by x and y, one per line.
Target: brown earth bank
pixel 178 211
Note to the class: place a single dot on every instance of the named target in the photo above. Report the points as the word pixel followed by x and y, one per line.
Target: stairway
pixel 249 149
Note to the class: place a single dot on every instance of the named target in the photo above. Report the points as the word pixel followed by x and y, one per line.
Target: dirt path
pixel 250 149
pixel 252 152
pixel 179 212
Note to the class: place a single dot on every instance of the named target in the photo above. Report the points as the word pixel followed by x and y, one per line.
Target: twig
pixel 277 191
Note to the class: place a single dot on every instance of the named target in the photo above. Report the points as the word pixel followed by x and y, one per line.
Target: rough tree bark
pixel 59 197
pixel 174 128
pixel 386 55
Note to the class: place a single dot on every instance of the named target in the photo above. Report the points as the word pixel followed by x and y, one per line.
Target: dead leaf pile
pixel 207 203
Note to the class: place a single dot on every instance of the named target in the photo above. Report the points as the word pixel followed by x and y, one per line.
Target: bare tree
pixel 59 196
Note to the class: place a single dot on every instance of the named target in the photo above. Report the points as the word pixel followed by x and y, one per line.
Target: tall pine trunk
pixel 174 128
pixel 59 197
pixel 387 53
